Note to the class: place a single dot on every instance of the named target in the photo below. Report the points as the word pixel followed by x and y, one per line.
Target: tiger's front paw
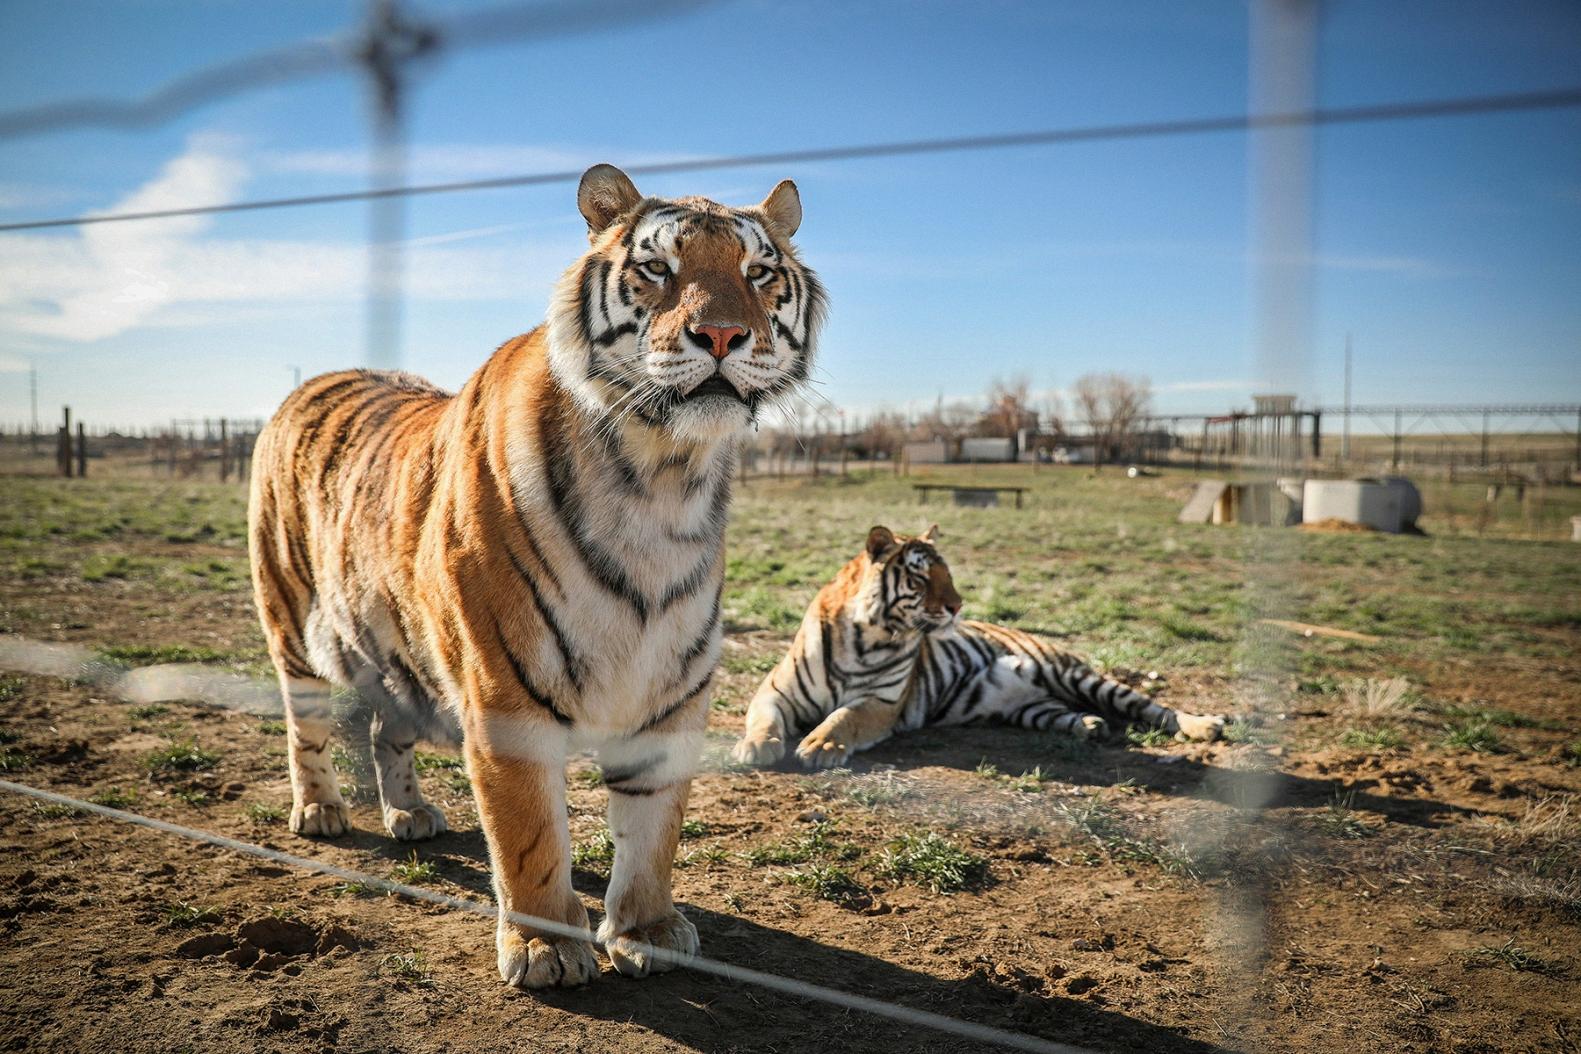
pixel 415 824
pixel 544 962
pixel 320 819
pixel 1202 728
pixel 762 750
pixel 632 950
pixel 821 750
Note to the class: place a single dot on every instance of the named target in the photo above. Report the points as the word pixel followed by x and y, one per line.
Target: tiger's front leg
pixel 517 765
pixel 649 779
pixel 847 730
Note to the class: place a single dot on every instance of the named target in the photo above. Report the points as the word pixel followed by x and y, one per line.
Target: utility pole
pixel 1344 446
pixel 296 377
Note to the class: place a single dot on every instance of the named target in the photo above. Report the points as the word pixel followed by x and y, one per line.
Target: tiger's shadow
pixel 706 1012
pixel 1114 763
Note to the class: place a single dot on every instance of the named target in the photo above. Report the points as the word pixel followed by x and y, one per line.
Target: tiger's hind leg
pixel 1051 715
pixel 407 816
pixel 317 808
pixel 1128 705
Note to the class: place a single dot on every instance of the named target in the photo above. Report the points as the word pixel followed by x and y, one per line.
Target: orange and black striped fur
pixel 882 650
pixel 536 561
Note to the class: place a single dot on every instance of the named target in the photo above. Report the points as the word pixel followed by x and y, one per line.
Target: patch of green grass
pixel 1508 954
pixel 708 857
pixel 1571 753
pixel 193 796
pixel 595 854
pixel 183 756
pixel 1243 731
pixel 1500 717
pixel 758 664
pixel 115 797
pixel 987 770
pixel 355 889
pixel 185 915
pixel 934 861
pixel 10 688
pixel 154 655
pixel 265 812
pixel 423 761
pixel 415 872
pixel 1148 737
pixel 1186 628
pixel 54 810
pixel 1031 782
pixel 828 882
pixel 8 736
pixel 99 567
pixel 146 711
pixel 272 728
pixel 589 778
pixel 1385 738
pixel 1474 735
pixel 458 782
pixel 694 829
pixel 1106 828
pixel 818 843
pixel 411 968
pixel 13 760
pixel 1339 820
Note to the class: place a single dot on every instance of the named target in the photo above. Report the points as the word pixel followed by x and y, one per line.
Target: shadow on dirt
pixel 699 1010
pixel 1110 764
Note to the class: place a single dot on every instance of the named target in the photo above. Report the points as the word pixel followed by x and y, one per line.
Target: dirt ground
pixel 1353 872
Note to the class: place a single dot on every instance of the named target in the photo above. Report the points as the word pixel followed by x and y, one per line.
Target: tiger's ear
pixel 604 193
pixel 930 535
pixel 879 540
pixel 783 207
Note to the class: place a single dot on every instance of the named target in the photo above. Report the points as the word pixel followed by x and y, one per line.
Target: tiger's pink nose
pixel 718 341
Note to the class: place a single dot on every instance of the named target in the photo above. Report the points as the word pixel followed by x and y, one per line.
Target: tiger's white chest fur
pixel 638 550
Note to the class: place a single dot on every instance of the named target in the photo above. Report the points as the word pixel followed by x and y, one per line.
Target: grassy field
pixel 1383 856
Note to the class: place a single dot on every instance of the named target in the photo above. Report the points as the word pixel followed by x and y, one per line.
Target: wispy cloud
pixel 101 281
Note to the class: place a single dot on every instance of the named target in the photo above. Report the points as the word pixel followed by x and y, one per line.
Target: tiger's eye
pixel 756 271
pixel 656 268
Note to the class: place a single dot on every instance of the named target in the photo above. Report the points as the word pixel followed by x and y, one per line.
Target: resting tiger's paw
pixel 320 819
pixel 415 824
pixel 1092 727
pixel 1199 727
pixel 544 962
pixel 632 950
pixel 763 751
pixel 820 750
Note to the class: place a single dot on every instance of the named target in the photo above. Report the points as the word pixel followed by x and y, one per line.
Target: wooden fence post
pixel 82 452
pixel 63 445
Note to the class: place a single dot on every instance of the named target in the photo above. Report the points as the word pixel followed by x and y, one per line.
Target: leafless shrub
pixel 1380 698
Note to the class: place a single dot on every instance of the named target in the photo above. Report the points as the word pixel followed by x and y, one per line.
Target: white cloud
pixel 103 280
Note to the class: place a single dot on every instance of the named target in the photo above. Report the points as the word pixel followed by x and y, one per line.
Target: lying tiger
pixel 882 649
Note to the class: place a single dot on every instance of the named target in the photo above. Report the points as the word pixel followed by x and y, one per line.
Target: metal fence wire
pixel 391 44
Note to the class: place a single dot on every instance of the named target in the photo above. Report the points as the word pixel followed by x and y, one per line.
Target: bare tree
pixel 1114 406
pixel 1009 407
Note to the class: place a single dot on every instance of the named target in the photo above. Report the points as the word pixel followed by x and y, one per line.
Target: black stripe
pixel 532 690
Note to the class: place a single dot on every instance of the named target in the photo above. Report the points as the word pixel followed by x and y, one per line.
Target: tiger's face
pixel 907 585
pixel 686 315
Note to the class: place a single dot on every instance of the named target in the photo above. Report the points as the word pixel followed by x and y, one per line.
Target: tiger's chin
pixel 709 419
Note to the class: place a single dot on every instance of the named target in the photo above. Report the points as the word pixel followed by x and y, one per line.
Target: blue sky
pixel 1449 247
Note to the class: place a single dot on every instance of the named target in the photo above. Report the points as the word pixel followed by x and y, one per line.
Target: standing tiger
pixel 882 649
pixel 537 560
